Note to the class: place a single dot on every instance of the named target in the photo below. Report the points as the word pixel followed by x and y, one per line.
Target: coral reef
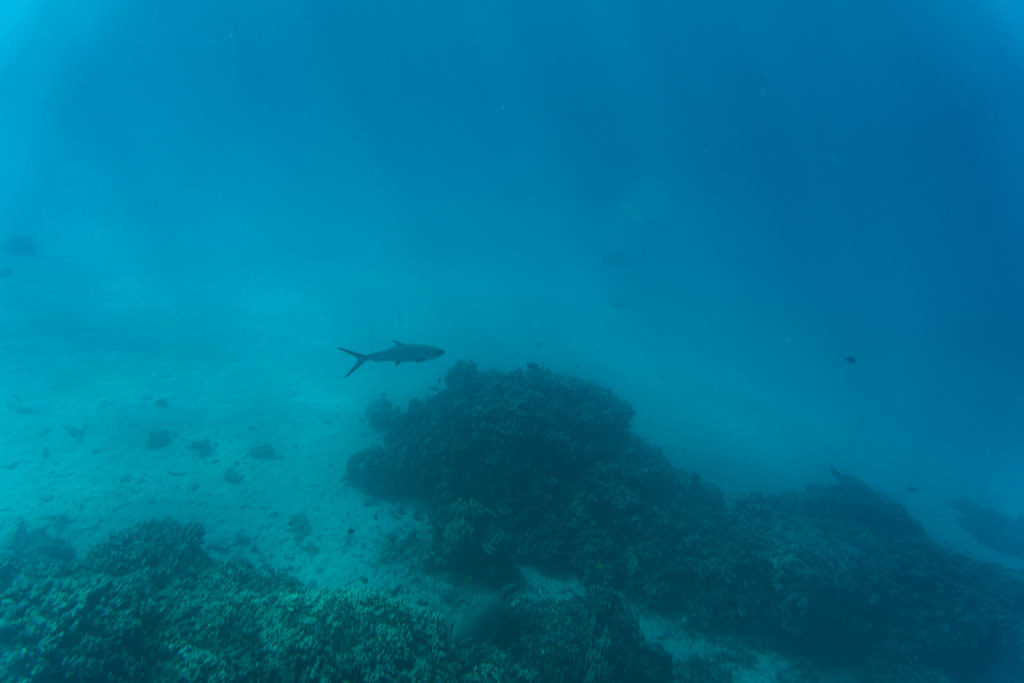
pixel 605 643
pixel 263 452
pixel 300 527
pixel 822 576
pixel 996 530
pixel 159 438
pixel 535 468
pixel 37 544
pixel 528 468
pixel 203 448
pixel 150 604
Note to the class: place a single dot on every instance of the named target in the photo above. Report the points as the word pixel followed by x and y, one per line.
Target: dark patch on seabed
pixel 532 468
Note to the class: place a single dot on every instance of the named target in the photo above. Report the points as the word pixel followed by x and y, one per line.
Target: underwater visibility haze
pixel 714 340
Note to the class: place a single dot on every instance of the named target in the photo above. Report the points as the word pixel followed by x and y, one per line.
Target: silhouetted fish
pixel 850 359
pixel 399 353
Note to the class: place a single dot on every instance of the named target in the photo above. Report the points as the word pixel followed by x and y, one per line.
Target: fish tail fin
pixel 360 359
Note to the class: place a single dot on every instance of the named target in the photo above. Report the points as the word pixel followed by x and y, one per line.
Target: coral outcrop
pixel 535 468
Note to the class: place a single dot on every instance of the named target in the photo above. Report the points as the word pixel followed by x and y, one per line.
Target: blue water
pixel 704 206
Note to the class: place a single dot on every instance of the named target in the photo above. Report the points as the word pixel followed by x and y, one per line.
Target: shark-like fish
pixel 399 353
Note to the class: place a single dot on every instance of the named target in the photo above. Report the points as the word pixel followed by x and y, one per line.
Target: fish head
pixel 431 352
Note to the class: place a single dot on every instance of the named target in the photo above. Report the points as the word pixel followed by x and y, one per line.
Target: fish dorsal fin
pixel 398 343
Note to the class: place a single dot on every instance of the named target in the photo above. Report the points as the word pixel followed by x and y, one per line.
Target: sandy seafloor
pixel 74 460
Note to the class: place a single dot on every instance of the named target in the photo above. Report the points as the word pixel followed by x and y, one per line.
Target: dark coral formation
pixel 822 573
pixel 607 643
pixel 203 448
pixel 263 452
pixel 994 529
pixel 159 438
pixel 37 544
pixel 537 468
pixel 300 527
pixel 531 467
pixel 150 605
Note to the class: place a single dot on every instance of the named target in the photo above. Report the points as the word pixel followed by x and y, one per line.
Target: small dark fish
pixel 911 489
pixel 852 360
pixel 399 353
